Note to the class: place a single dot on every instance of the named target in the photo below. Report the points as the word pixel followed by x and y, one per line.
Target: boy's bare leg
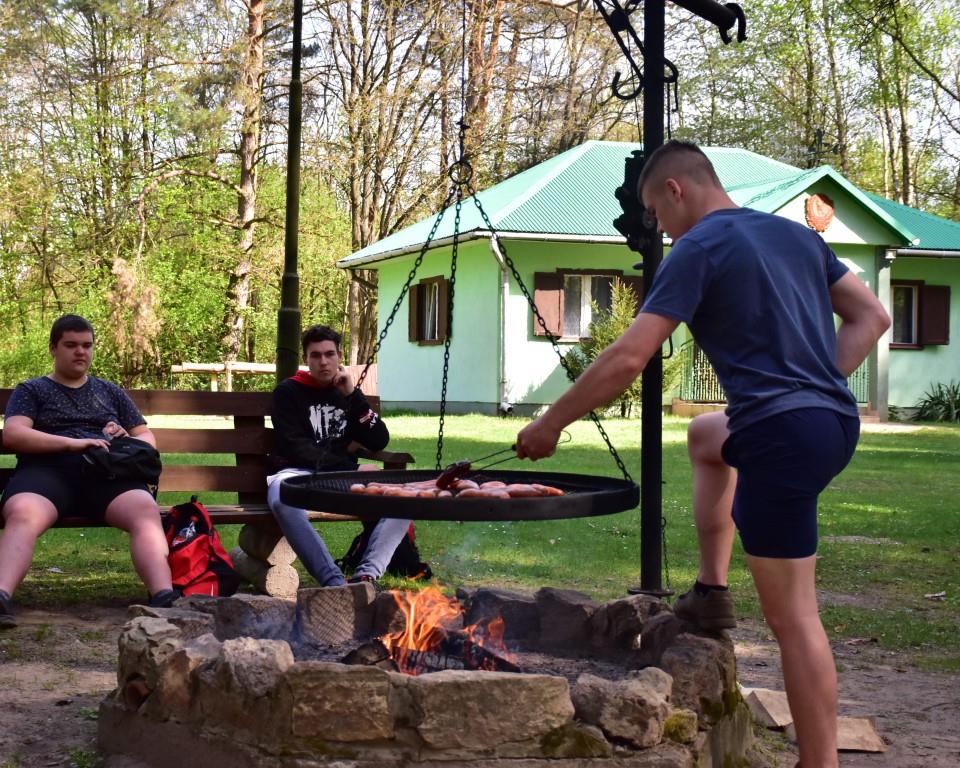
pixel 714 483
pixel 26 516
pixel 136 513
pixel 788 597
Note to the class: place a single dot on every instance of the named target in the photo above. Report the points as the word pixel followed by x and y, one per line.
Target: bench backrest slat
pixel 248 439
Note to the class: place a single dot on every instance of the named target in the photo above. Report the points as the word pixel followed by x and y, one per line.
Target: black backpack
pixel 405 562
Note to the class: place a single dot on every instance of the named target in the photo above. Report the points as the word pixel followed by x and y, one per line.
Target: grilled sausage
pixel 547 490
pixel 522 490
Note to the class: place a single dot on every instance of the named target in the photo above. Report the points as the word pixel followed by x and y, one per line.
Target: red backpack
pixel 198 562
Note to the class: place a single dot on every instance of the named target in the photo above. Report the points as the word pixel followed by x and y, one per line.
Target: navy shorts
pixel 783 463
pixel 61 479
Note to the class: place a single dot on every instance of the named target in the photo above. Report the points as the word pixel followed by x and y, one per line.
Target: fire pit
pixel 349 677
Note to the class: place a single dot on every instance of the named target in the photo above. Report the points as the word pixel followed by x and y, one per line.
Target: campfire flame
pixel 431 619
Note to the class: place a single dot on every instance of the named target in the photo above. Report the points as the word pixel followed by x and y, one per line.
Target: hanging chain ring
pixel 461 172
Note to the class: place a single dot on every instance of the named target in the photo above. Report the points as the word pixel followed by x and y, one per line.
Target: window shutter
pixel 548 296
pixel 413 320
pixel 443 303
pixel 934 314
pixel 635 283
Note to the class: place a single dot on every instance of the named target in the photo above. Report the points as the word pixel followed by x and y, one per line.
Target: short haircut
pixel 68 323
pixel 316 333
pixel 677 158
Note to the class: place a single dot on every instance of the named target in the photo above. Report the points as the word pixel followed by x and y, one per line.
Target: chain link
pixel 553 339
pixel 459 181
pixel 406 287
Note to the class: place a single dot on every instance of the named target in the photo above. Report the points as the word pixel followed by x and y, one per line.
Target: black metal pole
pixel 288 316
pixel 651 430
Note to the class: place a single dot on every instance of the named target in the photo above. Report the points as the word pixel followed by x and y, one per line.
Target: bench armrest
pixel 389 459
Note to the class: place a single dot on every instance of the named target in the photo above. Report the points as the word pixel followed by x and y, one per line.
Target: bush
pixel 605 328
pixel 940 403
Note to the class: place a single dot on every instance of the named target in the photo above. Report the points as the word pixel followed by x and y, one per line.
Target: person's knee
pixel 134 512
pixel 705 437
pixel 29 513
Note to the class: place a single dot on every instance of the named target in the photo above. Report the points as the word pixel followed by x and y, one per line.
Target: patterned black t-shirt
pixel 82 412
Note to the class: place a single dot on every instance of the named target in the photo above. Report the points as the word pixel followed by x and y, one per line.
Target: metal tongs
pixel 460 469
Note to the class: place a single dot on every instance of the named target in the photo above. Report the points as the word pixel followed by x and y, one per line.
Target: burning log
pixel 456 651
pixel 372 654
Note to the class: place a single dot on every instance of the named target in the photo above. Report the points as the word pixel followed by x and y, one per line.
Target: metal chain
pixel 406 287
pixel 462 166
pixel 553 339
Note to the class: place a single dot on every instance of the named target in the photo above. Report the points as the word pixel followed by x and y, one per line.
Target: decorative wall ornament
pixel 819 211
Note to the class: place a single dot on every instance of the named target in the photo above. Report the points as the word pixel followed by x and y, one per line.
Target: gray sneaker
pixel 7 619
pixel 711 611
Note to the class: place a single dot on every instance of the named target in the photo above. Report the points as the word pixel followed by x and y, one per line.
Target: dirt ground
pixel 57 666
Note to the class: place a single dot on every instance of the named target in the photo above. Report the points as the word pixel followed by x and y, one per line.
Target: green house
pixel 551 225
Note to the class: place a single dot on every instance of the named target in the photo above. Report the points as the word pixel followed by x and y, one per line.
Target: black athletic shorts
pixel 783 463
pixel 61 479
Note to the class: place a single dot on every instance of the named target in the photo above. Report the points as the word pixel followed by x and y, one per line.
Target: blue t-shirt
pixel 753 288
pixel 80 412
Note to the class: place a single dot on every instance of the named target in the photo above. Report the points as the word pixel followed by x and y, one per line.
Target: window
pixel 921 314
pixel 427 322
pixel 565 299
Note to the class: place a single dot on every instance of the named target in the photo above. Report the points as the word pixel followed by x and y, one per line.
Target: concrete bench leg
pixel 265 559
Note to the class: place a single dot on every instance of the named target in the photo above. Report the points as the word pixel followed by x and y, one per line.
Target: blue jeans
pixel 312 549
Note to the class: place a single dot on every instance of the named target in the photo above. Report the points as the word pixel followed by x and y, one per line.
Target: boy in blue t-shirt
pixel 758 293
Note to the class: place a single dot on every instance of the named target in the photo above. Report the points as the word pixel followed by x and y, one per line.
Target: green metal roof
pixel 932 232
pixel 571 196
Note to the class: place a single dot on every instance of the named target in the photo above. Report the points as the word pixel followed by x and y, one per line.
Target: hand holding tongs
pixel 459 469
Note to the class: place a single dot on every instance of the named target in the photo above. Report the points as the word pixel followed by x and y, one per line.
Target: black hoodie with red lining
pixel 314 424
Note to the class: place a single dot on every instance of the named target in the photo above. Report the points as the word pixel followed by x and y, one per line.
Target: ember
pixel 432 640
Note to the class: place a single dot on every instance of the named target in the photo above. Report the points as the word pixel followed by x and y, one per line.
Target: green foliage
pixel 941 402
pixel 605 328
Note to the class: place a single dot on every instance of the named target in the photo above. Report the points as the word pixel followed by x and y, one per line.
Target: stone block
pixel 456 709
pixel 241 690
pixel 564 619
pixel 656 635
pixel 615 627
pixel 338 702
pixel 681 726
pixel 630 710
pixel 704 671
pixel 332 616
pixel 854 734
pixel 521 619
pixel 728 740
pixel 769 708
pixel 576 740
pixel 260 616
pixel 190 623
pixel 145 644
pixel 175 685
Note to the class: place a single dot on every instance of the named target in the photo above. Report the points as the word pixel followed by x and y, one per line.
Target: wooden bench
pixel 263 557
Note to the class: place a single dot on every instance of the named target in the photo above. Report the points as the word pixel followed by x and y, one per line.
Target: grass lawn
pixel 891 528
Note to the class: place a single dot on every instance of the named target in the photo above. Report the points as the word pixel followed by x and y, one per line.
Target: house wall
pixel 533 371
pixel 411 374
pixel 912 371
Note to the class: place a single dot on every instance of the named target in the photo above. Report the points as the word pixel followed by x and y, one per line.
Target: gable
pixel 852 223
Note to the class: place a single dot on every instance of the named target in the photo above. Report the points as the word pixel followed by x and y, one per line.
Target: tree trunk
pixel 239 299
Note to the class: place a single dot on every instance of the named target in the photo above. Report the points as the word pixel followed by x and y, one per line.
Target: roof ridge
pixel 784 183
pixel 574 153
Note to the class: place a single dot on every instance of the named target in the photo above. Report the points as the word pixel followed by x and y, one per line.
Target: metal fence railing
pixel 698 383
